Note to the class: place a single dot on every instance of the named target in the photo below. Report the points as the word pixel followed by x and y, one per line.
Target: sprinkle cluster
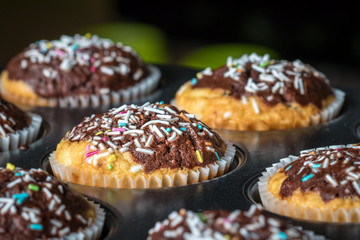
pixel 11 118
pixel 332 171
pixel 37 204
pixel 273 80
pixel 224 225
pixel 156 135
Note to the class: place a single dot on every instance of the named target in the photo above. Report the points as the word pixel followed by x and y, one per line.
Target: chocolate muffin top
pixel 78 65
pixel 11 118
pixel 333 172
pixel 221 224
pixel 274 81
pixel 34 205
pixel 157 135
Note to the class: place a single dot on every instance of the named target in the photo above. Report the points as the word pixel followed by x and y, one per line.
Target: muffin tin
pixel 132 212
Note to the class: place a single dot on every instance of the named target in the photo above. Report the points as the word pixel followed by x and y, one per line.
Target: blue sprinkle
pixel 18 174
pixel 20 195
pixel 217 155
pixel 38 227
pixel 122 124
pixel 168 129
pixel 288 168
pixel 161 102
pixel 199 126
pixel 193 81
pixel 304 179
pixel 75 46
pixel 316 165
pixel 183 129
pixel 282 235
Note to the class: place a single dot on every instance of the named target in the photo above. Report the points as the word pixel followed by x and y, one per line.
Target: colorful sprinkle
pixel 199 157
pixel 92 68
pixel 288 168
pixel 111 158
pixel 193 81
pixel 217 155
pixel 10 166
pixel 37 227
pixel 88 35
pixel 317 165
pixel 201 216
pixel 304 179
pixel 18 174
pixel 20 197
pixel 184 117
pixel 110 166
pixel 119 129
pixel 75 46
pixel 33 187
pixel 264 64
pixel 161 102
pixel 99 132
pixel 183 129
pixel 282 235
pixel 92 153
pixel 168 129
pixel 199 126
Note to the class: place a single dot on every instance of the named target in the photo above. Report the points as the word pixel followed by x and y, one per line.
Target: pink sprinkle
pixel 93 69
pixel 338 149
pixel 91 153
pixel 104 139
pixel 118 129
pixel 87 149
pixel 92 59
pixel 227 220
pixel 59 52
pixel 122 112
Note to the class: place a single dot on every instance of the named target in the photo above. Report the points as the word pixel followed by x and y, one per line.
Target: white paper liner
pixel 22 137
pixel 92 232
pixel 281 207
pixel 331 111
pixel 138 91
pixel 218 168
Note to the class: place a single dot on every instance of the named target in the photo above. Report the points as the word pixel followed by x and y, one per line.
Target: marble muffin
pixel 257 93
pixel 147 146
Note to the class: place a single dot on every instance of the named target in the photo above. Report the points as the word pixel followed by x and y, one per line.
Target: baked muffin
pixel 34 205
pixel 77 71
pixel 17 128
pixel 221 224
pixel 321 184
pixel 256 93
pixel 148 146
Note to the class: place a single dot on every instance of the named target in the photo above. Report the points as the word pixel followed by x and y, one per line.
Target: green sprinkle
pixel 264 64
pixel 110 166
pixel 201 216
pixel 33 187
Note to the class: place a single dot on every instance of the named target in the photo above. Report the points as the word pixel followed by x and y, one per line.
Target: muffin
pixel 147 146
pixel 77 71
pixel 320 184
pixel 17 128
pixel 256 93
pixel 221 224
pixel 34 205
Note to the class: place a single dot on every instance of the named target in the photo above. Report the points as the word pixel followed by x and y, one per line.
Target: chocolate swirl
pixel 157 135
pixel 34 205
pixel 221 224
pixel 333 173
pixel 79 65
pixel 273 81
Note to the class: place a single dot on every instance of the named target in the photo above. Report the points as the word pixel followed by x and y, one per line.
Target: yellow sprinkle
pixel 88 35
pixel 227 237
pixel 100 132
pixel 198 75
pixel 199 157
pixel 10 166
pixel 111 158
pixel 49 45
pixel 108 130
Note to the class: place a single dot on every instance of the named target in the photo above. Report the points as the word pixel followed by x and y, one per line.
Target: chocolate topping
pixel 33 205
pixel 333 173
pixel 157 136
pixel 273 81
pixel 77 65
pixel 11 118
pixel 221 224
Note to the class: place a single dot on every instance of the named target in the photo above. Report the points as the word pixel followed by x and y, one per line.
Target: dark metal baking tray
pixel 141 208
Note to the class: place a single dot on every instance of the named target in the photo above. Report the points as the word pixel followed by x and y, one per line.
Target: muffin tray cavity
pixel 130 213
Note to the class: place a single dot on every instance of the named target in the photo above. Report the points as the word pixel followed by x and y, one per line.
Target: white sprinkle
pixel 52 204
pixel 124 149
pixel 150 109
pixel 56 223
pixel 47 193
pixel 81 218
pixel 136 168
pixel 135 131
pixel 176 130
pixel 356 187
pixel 331 180
pixel 24 64
pixel 149 140
pixel 208 131
pixel 64 231
pixel 144 150
pixel 170 110
pixel 157 131
pixel 13 183
pixel 107 70
pixel 60 210
pixel 172 137
pixel 255 106
pixel 137 143
pixel 325 163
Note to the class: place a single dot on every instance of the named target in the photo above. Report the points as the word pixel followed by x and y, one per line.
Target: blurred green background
pixel 192 33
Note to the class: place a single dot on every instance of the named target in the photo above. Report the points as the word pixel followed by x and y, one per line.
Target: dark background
pixel 315 32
